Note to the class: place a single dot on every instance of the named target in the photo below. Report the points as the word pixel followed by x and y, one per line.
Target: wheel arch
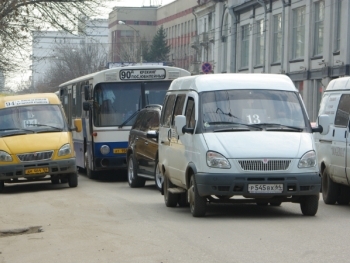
pixel 191 169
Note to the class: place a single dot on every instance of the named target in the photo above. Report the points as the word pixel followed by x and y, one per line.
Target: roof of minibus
pixel 339 84
pixel 210 82
pixel 89 76
pixel 52 98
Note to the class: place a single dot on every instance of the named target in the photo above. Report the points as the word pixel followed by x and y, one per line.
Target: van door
pixel 340 134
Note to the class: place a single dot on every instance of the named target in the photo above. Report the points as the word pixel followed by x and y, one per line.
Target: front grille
pixel 264 165
pixel 36 156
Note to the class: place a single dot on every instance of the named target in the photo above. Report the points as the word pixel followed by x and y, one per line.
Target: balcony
pixel 203 38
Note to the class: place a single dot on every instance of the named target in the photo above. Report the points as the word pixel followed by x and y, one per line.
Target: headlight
pixel 308 160
pixel 5 157
pixel 216 160
pixel 65 149
pixel 105 149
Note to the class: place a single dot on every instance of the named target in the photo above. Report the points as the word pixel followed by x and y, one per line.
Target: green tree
pixel 159 50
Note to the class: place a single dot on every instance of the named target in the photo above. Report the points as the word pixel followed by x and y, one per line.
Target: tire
pixel 2 186
pixel 158 178
pixel 330 189
pixel 309 204
pixel 275 203
pixel 344 195
pixel 170 199
pixel 73 180
pixel 89 173
pixel 183 200
pixel 133 180
pixel 198 204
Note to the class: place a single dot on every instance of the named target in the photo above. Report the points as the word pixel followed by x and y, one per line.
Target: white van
pixel 333 148
pixel 227 136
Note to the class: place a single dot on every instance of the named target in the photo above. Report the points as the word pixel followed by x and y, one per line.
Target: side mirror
pixel 86 106
pixel 87 92
pixel 180 122
pixel 78 124
pixel 323 124
pixel 152 134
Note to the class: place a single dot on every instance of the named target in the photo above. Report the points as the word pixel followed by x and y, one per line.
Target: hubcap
pixel 159 177
pixel 131 171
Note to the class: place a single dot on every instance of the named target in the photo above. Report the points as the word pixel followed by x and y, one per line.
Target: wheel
pixel 169 198
pixel 198 204
pixel 309 204
pixel 133 180
pixel 275 203
pixel 2 186
pixel 183 200
pixel 158 178
pixel 330 189
pixel 344 196
pixel 89 173
pixel 73 180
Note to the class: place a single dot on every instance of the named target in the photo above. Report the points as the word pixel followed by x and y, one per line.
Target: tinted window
pixel 138 120
pixel 167 110
pixel 190 113
pixel 342 116
pixel 180 101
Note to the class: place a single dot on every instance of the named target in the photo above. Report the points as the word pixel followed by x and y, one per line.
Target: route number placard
pixel 142 74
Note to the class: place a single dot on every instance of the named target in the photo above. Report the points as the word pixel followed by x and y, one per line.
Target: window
pixel 337 24
pixel 277 38
pixel 319 28
pixel 136 22
pixel 168 110
pixel 259 58
pixel 190 113
pixel 298 32
pixel 342 116
pixel 245 46
pixel 180 101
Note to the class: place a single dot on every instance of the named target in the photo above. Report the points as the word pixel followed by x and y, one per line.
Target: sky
pixel 24 74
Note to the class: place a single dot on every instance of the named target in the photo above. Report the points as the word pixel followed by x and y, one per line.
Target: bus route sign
pixel 141 74
pixel 206 67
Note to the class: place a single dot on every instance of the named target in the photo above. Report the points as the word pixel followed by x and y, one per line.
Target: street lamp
pixel 137 32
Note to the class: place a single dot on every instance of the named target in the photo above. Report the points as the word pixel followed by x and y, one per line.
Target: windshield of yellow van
pixel 252 107
pixel 32 117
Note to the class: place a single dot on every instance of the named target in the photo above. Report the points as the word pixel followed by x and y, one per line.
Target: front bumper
pixel 237 184
pixel 57 167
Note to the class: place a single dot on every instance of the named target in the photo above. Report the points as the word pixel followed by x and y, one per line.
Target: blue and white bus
pixel 108 102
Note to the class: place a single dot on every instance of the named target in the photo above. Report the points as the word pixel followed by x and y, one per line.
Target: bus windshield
pixel 117 104
pixel 251 107
pixel 36 118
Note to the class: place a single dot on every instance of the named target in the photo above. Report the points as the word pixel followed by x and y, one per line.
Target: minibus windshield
pixel 31 118
pixel 271 109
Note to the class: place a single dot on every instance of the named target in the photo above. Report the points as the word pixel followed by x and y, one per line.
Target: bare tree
pixel 72 61
pixel 18 18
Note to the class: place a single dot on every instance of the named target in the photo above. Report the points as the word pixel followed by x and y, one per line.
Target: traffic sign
pixel 206 67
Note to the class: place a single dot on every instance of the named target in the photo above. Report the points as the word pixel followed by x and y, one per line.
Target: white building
pixel 44 43
pixel 308 40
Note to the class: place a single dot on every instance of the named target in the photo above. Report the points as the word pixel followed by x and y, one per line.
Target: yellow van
pixel 35 140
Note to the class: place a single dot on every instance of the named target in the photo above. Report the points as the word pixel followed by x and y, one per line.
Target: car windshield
pixel 272 109
pixel 32 118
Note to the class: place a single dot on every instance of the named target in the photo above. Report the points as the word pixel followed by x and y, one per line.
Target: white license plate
pixel 265 188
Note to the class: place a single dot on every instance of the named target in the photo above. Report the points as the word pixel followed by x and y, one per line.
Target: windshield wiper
pixel 233 128
pixel 17 132
pixel 228 114
pixel 128 119
pixel 44 125
pixel 280 127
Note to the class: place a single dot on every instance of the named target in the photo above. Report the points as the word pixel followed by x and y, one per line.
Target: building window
pixel 277 38
pixel 319 28
pixel 245 46
pixel 337 24
pixel 136 22
pixel 259 49
pixel 298 32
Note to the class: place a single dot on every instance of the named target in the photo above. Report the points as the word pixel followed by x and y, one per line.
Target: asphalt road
pixel 107 221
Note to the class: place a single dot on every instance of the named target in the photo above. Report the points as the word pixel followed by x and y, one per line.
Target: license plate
pixel 37 170
pixel 117 151
pixel 265 188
